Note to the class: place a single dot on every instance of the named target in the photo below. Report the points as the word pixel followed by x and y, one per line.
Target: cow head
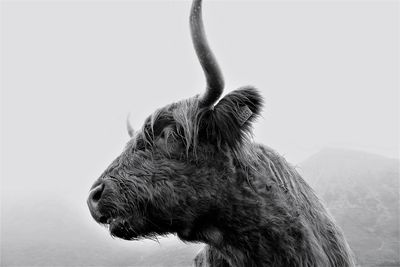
pixel 176 172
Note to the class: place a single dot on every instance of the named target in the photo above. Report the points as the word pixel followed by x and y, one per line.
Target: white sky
pixel 71 72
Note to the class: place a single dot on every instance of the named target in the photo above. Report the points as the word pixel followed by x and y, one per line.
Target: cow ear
pixel 231 119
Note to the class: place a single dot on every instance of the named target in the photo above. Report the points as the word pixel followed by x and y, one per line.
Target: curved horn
pixel 215 80
pixel 129 127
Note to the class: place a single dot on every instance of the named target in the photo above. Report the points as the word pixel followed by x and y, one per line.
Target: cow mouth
pixel 121 227
pixel 130 228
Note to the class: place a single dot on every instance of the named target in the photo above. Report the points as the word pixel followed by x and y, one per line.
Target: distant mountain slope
pixel 361 191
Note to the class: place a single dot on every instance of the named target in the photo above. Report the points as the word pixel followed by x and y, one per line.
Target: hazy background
pixel 71 72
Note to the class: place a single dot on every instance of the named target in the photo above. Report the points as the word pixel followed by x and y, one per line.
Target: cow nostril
pixel 95 193
pixel 93 201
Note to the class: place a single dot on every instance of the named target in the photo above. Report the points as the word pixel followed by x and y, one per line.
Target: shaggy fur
pixel 194 172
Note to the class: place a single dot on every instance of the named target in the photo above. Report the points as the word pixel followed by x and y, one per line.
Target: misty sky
pixel 72 71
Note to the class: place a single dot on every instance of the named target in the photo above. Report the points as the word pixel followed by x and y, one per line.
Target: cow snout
pixel 94 198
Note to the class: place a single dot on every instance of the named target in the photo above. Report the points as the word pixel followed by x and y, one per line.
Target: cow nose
pixel 95 196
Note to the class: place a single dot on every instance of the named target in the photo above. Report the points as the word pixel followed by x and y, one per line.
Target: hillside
pixel 48 229
pixel 361 191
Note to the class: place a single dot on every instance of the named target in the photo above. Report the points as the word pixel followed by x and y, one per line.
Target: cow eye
pixel 162 135
pixel 166 136
pixel 167 139
pixel 140 144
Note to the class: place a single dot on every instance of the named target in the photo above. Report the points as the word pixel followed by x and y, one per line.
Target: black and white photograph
pixel 204 133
